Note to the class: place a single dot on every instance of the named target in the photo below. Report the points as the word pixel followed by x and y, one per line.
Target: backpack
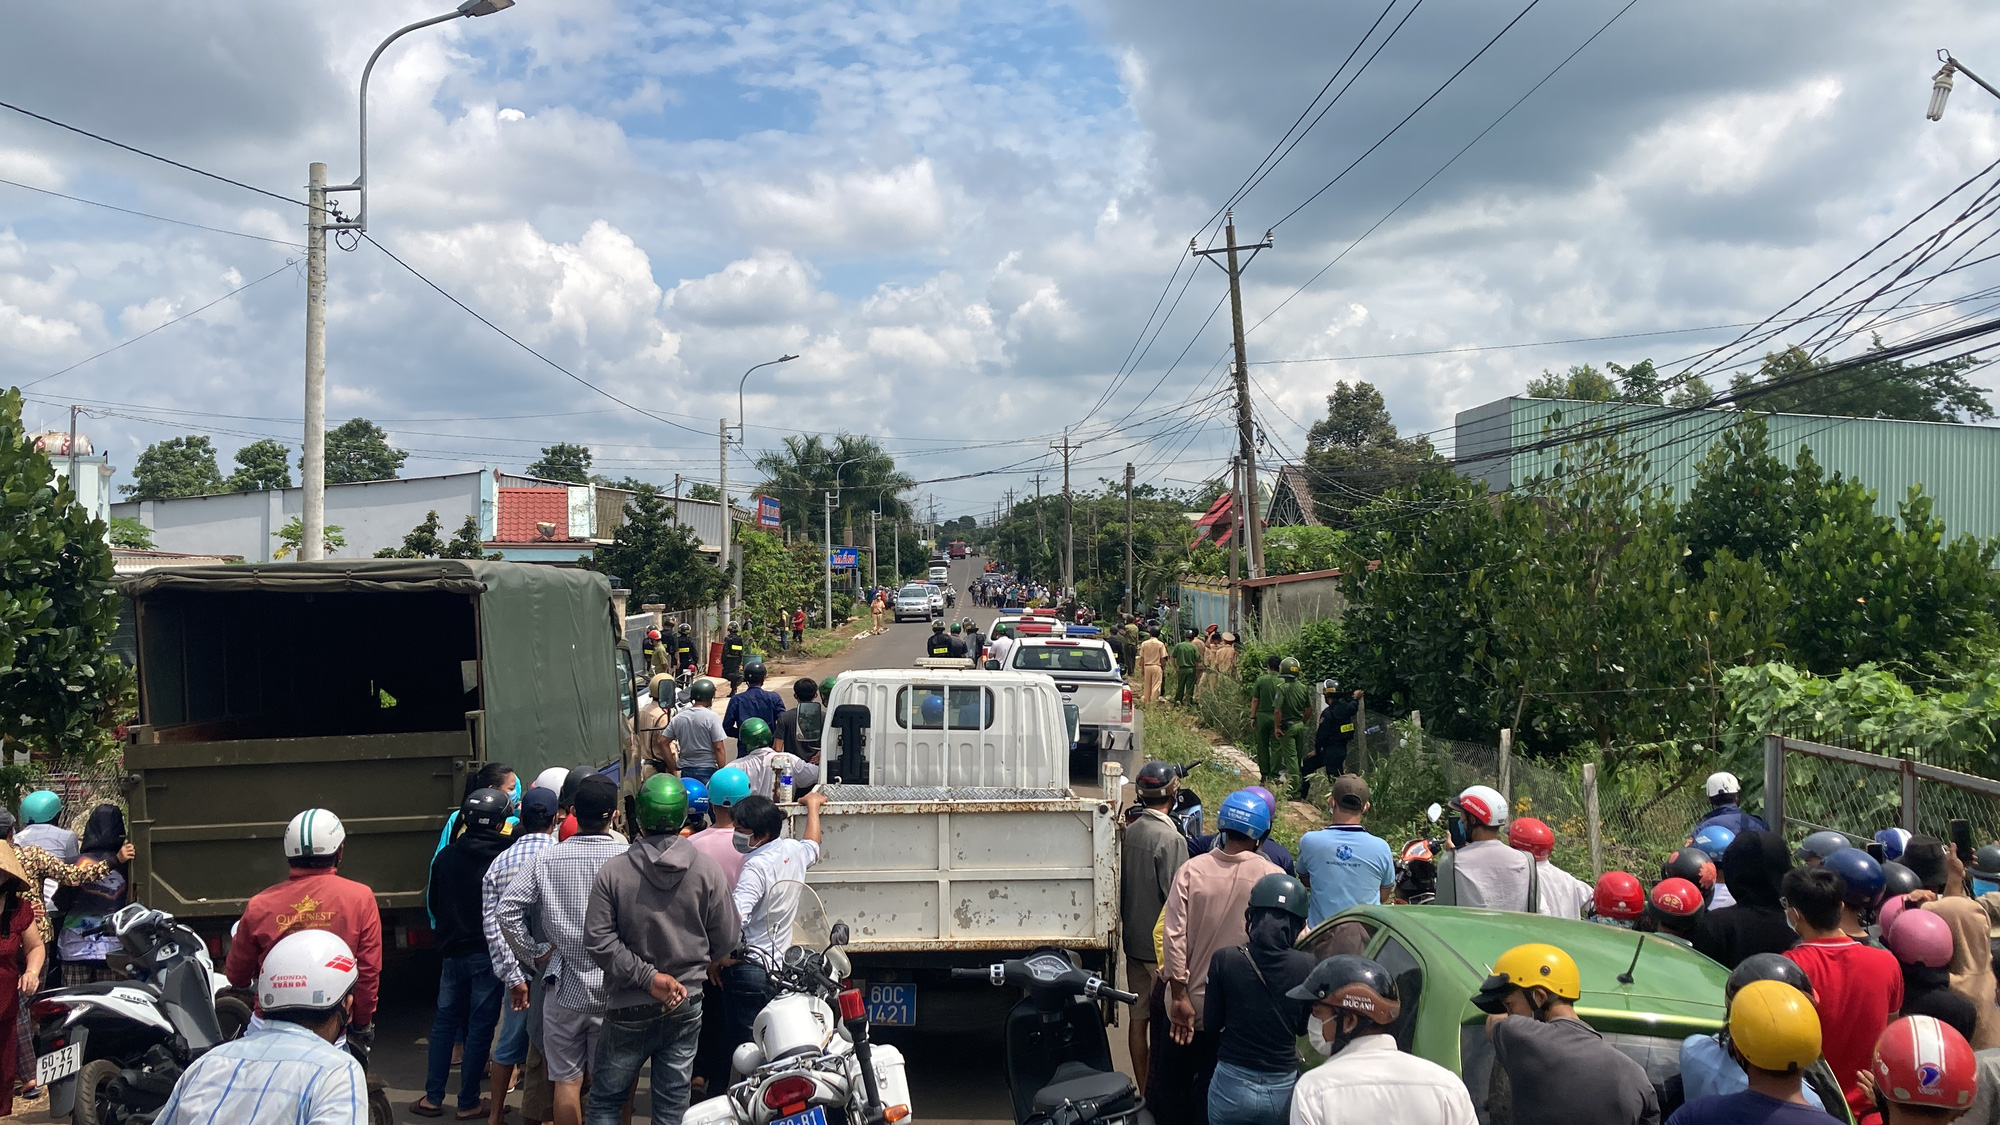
pixel 812 722
pixel 1447 883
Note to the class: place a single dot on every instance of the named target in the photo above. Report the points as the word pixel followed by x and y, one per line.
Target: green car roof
pixel 1674 990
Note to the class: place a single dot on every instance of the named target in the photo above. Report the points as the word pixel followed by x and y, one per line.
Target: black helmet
pixel 937 626
pixel 1986 861
pixel 1352 984
pixel 1690 863
pixel 1768 966
pixel 1279 891
pixel 753 670
pixel 1156 776
pixel 1898 880
pixel 484 808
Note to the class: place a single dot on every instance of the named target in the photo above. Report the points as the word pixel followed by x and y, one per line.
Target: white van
pixel 940 572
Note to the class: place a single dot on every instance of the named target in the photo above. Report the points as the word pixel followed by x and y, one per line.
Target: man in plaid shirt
pixel 554 887
pixel 536 833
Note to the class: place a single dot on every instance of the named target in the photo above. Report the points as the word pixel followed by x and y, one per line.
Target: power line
pixel 159 218
pixel 150 155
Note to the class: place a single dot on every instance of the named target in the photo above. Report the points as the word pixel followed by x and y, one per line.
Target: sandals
pixel 422 1108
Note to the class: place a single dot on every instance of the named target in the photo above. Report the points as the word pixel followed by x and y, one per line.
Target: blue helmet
pixel 933 708
pixel 41 807
pixel 697 795
pixel 727 786
pixel 1246 813
pixel 1713 839
pixel 1893 841
pixel 1862 875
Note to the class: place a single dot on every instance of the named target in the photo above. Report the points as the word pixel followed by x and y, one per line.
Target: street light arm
pixel 745 381
pixel 1962 69
pixel 360 183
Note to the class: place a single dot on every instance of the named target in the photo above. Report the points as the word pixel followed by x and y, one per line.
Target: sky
pixel 969 222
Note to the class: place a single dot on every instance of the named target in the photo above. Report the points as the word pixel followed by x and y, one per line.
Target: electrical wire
pixel 150 155
pixel 159 218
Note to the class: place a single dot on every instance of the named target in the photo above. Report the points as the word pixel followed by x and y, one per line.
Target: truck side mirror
pixel 852 720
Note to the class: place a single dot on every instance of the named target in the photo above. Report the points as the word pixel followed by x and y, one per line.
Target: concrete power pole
pixel 1128 538
pixel 1065 447
pixel 874 572
pixel 722 560
pixel 1235 541
pixel 312 519
pixel 1245 428
pixel 829 560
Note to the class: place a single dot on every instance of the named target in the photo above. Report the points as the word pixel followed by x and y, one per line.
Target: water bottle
pixel 785 787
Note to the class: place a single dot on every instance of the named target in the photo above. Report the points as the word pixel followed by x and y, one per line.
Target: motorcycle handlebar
pixel 972 974
pixel 1119 995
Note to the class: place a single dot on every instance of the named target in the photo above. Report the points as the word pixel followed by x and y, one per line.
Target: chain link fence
pixel 1824 786
pixel 81 788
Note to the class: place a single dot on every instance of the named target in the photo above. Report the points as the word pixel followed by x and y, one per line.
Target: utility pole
pixel 897 536
pixel 1128 538
pixel 722 560
pixel 1069 513
pixel 829 560
pixel 1041 536
pixel 75 496
pixel 874 572
pixel 1235 540
pixel 1245 428
pixel 312 517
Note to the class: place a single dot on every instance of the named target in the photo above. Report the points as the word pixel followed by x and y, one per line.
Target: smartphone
pixel 1877 851
pixel 1455 828
pixel 1961 838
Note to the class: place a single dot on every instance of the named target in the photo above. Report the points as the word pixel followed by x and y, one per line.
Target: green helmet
pixel 1278 891
pixel 754 734
pixel 826 688
pixel 702 690
pixel 41 807
pixel 956 627
pixel 663 804
pixel 1289 666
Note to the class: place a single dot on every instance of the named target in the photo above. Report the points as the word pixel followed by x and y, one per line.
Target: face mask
pixel 742 840
pixel 1316 1035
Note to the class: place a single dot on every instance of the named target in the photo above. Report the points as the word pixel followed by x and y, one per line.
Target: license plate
pixel 814 1116
pixel 60 1064
pixel 892 1005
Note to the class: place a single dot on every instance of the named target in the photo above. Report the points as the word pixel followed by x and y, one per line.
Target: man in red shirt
pixel 1856 987
pixel 315 897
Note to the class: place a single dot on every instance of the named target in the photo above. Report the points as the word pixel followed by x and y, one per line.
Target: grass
pixel 1173 736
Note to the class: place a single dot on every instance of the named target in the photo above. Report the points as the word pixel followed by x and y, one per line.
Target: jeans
pixel 632 1037
pixel 1240 1096
pixel 511 1049
pixel 468 1003
pixel 746 988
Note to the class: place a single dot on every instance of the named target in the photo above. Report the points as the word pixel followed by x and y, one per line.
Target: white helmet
pixel 314 832
pixel 306 970
pixel 1482 804
pixel 551 779
pixel 1723 782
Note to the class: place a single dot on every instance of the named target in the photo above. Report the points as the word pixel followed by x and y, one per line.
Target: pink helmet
pixel 1920 937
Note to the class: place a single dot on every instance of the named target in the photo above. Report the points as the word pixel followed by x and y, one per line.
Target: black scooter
pixel 1059 1068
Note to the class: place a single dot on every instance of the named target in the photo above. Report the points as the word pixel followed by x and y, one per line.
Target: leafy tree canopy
pixel 130 534
pixel 261 465
pixel 628 484
pixel 863 477
pixel 293 533
pixel 358 450
pixel 700 490
pixel 1889 388
pixel 182 466
pixel 1354 454
pixel 423 542
pixel 659 559
pixel 563 461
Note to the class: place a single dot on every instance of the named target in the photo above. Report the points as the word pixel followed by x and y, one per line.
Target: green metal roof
pixel 1955 464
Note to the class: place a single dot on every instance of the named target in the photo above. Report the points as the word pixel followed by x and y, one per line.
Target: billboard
pixel 767 512
pixel 844 558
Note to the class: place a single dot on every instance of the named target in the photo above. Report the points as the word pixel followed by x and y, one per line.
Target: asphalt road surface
pixel 955 1076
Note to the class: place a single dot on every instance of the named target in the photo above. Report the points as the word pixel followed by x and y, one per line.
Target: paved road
pixel 954 1077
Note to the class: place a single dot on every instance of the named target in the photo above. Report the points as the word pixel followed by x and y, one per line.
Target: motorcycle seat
pixel 1079 1082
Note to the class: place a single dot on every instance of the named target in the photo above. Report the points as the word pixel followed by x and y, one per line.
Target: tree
pixel 628 484
pixel 421 543
pixel 1749 502
pixel 182 466
pixel 1934 392
pixel 61 688
pixel 1354 454
pixel 261 466
pixel 1639 383
pixel 1581 382
pixel 466 544
pixel 700 491
pixel 293 533
pixel 563 461
pixel 863 478
pixel 358 450
pixel 659 559
pixel 130 534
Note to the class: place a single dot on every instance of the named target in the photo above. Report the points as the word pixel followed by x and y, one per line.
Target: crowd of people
pixel 1860 978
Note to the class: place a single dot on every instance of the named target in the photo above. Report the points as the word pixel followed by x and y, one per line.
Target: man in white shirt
pixel 767 901
pixel 1366 1080
pixel 696 733
pixel 999 649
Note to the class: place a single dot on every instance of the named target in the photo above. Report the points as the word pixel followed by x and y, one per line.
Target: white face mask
pixel 1316 1035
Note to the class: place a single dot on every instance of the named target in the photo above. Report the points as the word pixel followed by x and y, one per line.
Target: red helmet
pixel 1532 836
pixel 652 634
pixel 1677 897
pixel 1920 1061
pixel 1619 896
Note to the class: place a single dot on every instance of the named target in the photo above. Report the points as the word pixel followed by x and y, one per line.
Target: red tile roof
pixel 522 508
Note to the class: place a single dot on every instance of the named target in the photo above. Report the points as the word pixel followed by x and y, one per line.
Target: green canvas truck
pixel 369 687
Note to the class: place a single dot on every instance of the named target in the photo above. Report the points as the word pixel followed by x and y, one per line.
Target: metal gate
pixel 1815 786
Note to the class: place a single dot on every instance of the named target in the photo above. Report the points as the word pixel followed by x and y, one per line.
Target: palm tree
pixel 863 477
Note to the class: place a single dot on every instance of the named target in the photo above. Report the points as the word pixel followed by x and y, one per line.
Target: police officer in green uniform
pixel 1187 666
pixel 1263 701
pixel 1292 721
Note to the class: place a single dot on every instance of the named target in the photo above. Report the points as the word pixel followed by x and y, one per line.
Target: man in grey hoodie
pixel 659 916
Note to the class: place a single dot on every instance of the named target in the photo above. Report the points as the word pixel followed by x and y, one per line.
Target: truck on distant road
pixel 373 688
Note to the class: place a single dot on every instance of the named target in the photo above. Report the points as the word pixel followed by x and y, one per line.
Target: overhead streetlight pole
pixel 723 560
pixel 1941 83
pixel 312 517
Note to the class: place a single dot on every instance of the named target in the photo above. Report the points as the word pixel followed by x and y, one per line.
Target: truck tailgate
pixel 208 818
pixel 943 869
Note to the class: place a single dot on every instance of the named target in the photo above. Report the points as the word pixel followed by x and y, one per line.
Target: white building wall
pixel 371 515
pixel 93 481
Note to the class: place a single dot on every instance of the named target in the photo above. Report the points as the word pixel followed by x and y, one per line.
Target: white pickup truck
pixel 951 838
pixel 1086 673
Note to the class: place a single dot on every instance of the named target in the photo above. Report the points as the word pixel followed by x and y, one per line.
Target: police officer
pixel 683 647
pixel 939 646
pixel 734 647
pixel 1335 732
pixel 1289 715
pixel 956 640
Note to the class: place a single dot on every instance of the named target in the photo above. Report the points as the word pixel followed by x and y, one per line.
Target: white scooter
pixel 809 1058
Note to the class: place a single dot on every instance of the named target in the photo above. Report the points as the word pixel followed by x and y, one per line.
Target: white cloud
pixel 901 209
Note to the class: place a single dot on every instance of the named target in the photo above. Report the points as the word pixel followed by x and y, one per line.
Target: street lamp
pixel 723 559
pixel 1941 83
pixel 312 518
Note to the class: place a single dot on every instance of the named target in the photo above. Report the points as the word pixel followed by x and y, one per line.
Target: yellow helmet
pixel 1774 1026
pixel 1534 965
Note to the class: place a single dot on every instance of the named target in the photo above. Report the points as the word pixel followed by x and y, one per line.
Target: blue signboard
pixel 845 558
pixel 767 511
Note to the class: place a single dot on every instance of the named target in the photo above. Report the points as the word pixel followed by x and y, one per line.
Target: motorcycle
pixel 1416 866
pixel 1059 1069
pixel 809 1060
pixel 111 1051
